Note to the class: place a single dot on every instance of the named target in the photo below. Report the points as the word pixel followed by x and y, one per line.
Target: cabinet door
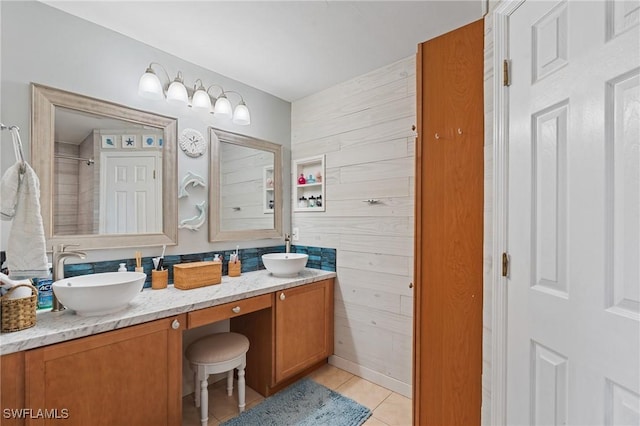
pixel 304 327
pixel 127 376
pixel 12 388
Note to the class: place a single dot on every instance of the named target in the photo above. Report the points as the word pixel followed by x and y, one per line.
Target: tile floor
pixel 388 408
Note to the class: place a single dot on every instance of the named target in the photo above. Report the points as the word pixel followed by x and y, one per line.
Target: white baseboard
pixel 371 375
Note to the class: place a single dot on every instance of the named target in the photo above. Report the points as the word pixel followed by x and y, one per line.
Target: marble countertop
pixel 149 305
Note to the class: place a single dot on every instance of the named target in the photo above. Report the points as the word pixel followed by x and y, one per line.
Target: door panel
pixel 449 229
pixel 573 207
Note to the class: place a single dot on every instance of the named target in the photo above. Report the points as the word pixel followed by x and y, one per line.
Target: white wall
pixel 44 45
pixel 364 127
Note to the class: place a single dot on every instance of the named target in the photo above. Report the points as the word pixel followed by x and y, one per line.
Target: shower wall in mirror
pixel 245 197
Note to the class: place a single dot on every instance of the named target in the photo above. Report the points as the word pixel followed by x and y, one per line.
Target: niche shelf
pixel 312 189
pixel 268 197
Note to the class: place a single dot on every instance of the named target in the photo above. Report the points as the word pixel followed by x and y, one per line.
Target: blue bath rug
pixel 304 403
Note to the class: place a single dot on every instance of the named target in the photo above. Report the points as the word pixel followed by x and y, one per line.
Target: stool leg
pixel 204 401
pixel 230 382
pixel 241 403
pixel 196 385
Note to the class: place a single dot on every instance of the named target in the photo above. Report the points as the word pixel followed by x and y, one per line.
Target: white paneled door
pixel 574 214
pixel 130 194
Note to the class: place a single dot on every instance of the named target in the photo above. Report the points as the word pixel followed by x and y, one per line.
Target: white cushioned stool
pixel 217 353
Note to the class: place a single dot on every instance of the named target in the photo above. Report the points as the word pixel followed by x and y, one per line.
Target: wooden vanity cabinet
pixel 288 340
pixel 127 376
pixel 303 328
pixel 11 387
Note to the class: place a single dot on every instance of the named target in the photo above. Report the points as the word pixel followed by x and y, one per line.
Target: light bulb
pixel 241 114
pixel 149 85
pixel 223 106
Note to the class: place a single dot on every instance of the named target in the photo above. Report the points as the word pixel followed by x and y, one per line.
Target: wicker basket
pixel 196 274
pixel 18 314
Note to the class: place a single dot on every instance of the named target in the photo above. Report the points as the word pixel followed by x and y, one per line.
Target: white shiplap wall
pixel 488 212
pixel 363 126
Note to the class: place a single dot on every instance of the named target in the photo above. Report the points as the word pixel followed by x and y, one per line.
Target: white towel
pixel 20 201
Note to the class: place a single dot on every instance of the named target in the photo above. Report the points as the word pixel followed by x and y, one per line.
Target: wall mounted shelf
pixel 307 194
pixel 267 193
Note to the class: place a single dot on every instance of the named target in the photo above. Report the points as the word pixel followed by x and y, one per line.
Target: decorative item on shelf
pixel 148 141
pixel 271 204
pixel 108 141
pixel 269 183
pixel 318 176
pixel 192 143
pixel 123 267
pixel 190 179
pixel 129 141
pixel 312 201
pixel 194 223
pixel 150 87
pixel 302 180
pixel 311 179
pixel 302 202
pixel 319 201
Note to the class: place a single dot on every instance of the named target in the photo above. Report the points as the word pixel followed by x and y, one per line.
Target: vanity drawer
pixel 228 310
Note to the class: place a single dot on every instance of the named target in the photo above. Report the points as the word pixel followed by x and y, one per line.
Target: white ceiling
pixel 290 49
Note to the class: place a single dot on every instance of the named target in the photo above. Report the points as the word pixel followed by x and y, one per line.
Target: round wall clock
pixel 192 143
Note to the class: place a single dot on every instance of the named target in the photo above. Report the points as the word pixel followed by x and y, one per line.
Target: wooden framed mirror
pixel 245 188
pixel 108 173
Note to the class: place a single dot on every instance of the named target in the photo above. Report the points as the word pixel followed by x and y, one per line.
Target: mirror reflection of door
pixel 91 197
pixel 130 191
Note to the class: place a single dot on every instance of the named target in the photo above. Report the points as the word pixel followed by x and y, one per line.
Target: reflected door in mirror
pixel 131 194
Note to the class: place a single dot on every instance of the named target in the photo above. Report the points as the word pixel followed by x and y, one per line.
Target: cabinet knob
pixel 410 285
pixel 175 324
pixel 282 296
pixel 236 310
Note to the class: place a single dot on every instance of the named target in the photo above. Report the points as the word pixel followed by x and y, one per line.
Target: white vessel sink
pixel 99 294
pixel 285 264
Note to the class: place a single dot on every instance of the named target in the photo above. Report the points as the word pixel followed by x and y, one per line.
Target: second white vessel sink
pixel 99 294
pixel 285 264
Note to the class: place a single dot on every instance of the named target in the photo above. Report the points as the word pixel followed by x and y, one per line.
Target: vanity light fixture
pixel 151 87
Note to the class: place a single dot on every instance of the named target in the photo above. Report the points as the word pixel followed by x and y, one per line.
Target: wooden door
pixel 573 342
pixel 130 376
pixel 449 229
pixel 303 327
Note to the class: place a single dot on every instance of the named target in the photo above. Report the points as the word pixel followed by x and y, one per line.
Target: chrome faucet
pixel 59 256
pixel 287 243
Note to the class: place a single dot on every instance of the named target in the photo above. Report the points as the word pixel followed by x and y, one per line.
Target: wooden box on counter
pixel 196 274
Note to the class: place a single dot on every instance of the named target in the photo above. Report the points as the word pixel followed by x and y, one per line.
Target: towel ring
pixel 17 144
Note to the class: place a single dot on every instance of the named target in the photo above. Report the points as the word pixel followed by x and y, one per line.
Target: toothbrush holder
pixel 234 268
pixel 159 279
